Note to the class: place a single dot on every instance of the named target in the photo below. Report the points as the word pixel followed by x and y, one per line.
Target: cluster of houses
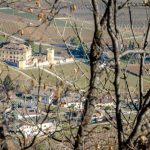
pixel 29 121
pixel 26 116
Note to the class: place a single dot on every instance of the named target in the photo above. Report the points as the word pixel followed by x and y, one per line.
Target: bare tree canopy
pixel 75 74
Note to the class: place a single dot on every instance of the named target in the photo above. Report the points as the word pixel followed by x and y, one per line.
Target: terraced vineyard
pixel 135 68
pixel 9 27
pixel 14 12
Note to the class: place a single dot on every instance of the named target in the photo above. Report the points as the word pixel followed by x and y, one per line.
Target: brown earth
pixel 135 68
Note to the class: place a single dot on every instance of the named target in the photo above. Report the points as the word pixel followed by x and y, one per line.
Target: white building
pixel 28 113
pixel 14 52
pixel 32 128
pixel 75 105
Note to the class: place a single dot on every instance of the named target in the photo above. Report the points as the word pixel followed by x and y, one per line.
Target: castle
pixel 20 55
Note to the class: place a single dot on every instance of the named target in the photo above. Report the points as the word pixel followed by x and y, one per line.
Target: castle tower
pixel 50 55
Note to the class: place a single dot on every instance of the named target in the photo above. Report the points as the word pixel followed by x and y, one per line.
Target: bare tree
pixel 108 22
pixel 127 128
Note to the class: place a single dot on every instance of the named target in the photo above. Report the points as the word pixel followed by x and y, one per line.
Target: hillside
pixel 15 75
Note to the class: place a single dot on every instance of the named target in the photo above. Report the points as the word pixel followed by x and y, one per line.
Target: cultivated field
pixel 135 68
pixel 48 33
pixel 11 22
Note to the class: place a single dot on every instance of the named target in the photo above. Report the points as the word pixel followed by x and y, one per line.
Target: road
pixel 36 43
pixel 23 40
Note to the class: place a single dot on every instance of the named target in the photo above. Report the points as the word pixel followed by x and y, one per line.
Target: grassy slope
pixel 67 72
pixel 45 77
pixel 5 70
pixel 31 16
pixel 2 38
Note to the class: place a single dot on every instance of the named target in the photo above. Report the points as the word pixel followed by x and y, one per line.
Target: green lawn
pixel 45 77
pixel 2 38
pixel 67 72
pixel 35 48
pixel 5 70
pixel 76 73
pixel 66 75
pixel 132 81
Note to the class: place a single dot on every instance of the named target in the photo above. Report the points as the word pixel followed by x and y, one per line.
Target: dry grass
pixel 135 68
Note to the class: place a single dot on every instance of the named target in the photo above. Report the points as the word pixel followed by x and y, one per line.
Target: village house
pixel 20 112
pixel 38 127
pixel 28 113
pixel 75 105
pixel 44 96
pixel 105 101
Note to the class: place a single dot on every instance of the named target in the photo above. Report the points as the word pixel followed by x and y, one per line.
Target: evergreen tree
pixel 40 48
pixel 30 42
pixel 74 41
pixel 8 84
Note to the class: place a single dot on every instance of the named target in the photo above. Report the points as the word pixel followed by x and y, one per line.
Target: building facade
pixel 20 55
pixel 14 53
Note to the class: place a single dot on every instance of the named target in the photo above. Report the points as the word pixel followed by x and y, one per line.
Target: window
pixel 31 110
